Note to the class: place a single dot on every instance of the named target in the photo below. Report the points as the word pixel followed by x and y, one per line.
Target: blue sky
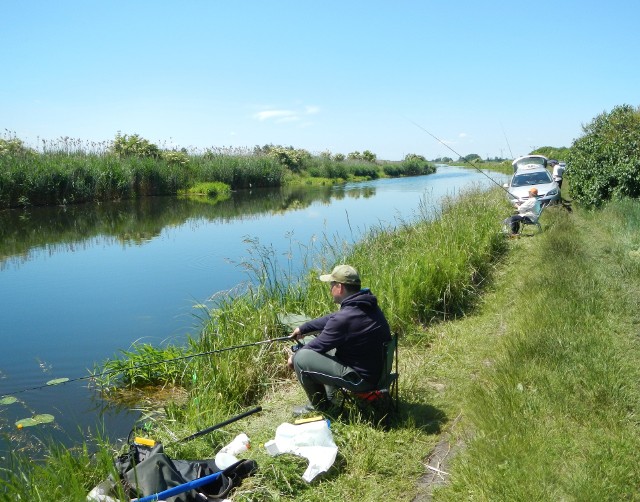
pixel 492 78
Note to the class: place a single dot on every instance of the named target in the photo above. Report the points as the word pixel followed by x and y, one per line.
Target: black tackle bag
pixel 145 471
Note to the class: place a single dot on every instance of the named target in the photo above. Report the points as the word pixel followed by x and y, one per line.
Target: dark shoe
pixel 305 409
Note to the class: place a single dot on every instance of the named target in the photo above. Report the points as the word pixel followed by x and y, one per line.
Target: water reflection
pixel 134 222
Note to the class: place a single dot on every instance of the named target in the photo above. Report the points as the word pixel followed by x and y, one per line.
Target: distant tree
pixel 354 155
pixel 551 152
pixel 604 163
pixel 262 150
pixel 472 157
pixel 368 156
pixel 339 157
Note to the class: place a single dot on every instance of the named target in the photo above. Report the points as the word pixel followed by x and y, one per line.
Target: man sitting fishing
pixel 527 210
pixel 348 351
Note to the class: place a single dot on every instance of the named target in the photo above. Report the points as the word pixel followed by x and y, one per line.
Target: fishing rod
pixel 465 160
pixel 146 365
pixel 176 490
pixel 152 442
pixel 218 426
pixel 505 138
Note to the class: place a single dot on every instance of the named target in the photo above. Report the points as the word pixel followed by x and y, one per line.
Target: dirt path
pixel 437 464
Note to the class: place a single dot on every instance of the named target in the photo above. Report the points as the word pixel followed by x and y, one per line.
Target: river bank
pixel 515 391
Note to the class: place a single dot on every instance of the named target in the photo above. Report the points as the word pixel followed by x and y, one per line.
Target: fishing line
pixel 147 365
pixel 461 157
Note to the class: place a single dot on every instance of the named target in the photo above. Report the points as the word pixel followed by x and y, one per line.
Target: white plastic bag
pixel 312 440
pixel 102 492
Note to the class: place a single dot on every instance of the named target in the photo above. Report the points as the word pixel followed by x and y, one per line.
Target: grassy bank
pixel 525 387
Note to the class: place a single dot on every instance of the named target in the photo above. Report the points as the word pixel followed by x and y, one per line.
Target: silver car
pixel 533 176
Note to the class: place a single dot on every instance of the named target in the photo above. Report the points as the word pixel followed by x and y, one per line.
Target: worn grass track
pixel 546 373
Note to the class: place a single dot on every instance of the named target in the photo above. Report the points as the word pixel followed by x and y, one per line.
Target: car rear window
pixel 526 179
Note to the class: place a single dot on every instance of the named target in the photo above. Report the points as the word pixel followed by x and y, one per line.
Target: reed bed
pixel 59 178
pixel 70 171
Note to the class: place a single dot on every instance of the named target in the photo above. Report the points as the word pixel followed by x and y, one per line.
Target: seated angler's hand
pixel 295 334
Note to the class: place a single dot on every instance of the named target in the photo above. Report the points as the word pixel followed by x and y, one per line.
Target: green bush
pixel 290 158
pixel 551 152
pixel 605 162
pixel 412 165
pixel 369 171
pixel 13 146
pixel 211 189
pixel 133 145
pixel 416 164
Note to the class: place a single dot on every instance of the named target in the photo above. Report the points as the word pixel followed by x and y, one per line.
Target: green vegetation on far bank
pixel 70 171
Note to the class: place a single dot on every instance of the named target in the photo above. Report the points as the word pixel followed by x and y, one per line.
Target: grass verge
pixel 548 397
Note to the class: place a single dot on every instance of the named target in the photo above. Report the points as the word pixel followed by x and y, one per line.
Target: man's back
pixel 357 331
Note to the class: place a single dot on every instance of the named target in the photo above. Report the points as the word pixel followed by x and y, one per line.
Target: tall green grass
pixel 64 475
pixel 431 268
pixel 30 178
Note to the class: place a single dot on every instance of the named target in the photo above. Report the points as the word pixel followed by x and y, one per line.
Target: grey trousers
pixel 320 374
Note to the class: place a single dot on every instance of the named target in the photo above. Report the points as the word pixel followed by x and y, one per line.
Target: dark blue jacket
pixel 357 332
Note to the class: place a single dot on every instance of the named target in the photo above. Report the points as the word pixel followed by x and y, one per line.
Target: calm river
pixel 79 283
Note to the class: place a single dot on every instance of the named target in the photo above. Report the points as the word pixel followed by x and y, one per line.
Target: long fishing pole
pixel 505 138
pixel 461 157
pixel 146 365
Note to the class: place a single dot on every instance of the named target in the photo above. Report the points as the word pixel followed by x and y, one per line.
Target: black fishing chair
pixel 384 398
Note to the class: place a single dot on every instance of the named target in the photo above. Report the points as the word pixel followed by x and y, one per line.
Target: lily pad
pixel 57 381
pixel 45 418
pixel 8 400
